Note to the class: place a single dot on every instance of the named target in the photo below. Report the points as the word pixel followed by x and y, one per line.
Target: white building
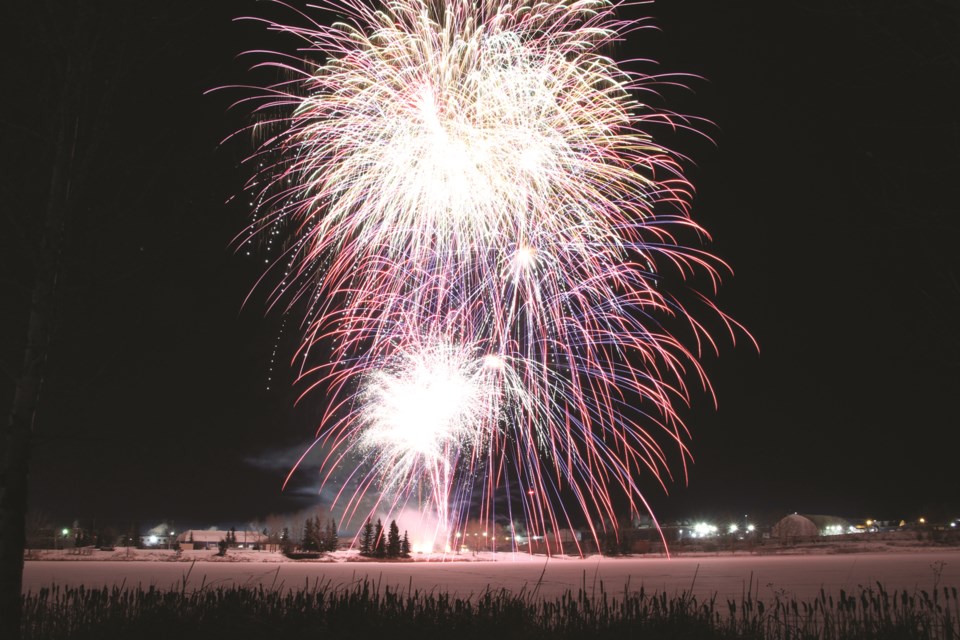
pixel 210 538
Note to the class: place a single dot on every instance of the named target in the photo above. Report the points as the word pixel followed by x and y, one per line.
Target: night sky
pixel 830 190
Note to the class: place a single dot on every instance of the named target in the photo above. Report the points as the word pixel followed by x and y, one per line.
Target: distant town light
pixel 65 532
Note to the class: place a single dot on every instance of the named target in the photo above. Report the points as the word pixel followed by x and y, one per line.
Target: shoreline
pixel 124 554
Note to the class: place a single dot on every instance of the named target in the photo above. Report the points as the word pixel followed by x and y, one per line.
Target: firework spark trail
pixel 467 183
pixel 427 143
pixel 436 405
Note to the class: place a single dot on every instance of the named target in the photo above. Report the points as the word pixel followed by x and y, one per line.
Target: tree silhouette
pixel 379 541
pixel 332 538
pixel 393 540
pixel 308 542
pixel 366 539
pixel 45 199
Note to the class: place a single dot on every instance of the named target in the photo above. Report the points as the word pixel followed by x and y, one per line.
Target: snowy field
pixel 727 576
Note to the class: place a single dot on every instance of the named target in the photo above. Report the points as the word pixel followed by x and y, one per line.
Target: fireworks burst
pixel 426 419
pixel 479 217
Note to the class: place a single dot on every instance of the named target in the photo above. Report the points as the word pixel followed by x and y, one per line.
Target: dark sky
pixel 830 191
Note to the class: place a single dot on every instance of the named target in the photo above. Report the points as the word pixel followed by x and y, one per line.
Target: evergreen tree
pixel 393 540
pixel 333 538
pixel 379 541
pixel 308 541
pixel 320 534
pixel 405 546
pixel 286 545
pixel 366 539
pixel 232 536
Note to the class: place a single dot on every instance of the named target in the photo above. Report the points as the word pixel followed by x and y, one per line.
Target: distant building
pixel 810 526
pixel 209 539
pixel 569 535
pixel 154 540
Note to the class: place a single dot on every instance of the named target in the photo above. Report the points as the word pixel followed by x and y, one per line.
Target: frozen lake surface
pixel 800 576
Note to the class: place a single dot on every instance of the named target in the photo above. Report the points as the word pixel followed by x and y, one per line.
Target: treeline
pixel 319 537
pixel 377 543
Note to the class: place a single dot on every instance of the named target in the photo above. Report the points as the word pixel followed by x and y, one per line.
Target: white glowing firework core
pixel 525 257
pixel 430 404
pixel 426 409
pixel 493 362
pixel 459 131
pixel 422 411
pixel 448 163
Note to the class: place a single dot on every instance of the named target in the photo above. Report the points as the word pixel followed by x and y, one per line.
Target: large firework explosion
pixel 478 222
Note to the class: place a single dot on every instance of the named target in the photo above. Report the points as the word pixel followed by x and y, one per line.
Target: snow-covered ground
pixel 729 576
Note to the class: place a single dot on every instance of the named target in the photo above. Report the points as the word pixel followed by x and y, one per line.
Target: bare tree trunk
pixel 17 431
